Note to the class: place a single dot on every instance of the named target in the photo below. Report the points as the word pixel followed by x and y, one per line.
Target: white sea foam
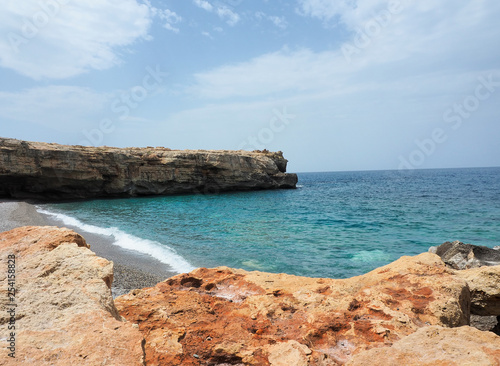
pixel 159 251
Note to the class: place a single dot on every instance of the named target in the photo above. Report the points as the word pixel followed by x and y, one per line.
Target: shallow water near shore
pixel 335 225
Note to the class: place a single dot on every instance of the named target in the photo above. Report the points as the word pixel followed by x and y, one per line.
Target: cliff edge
pixel 53 171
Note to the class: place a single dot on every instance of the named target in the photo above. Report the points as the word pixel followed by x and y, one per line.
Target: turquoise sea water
pixel 334 225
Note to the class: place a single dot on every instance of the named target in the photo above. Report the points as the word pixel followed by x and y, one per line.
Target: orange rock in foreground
pixel 65 313
pixel 224 316
pixel 414 311
pixel 436 346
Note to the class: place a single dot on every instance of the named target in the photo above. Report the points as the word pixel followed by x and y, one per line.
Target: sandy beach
pixel 132 270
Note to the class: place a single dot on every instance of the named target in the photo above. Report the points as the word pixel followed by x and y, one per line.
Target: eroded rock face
pixel 65 313
pixel 224 316
pixel 52 171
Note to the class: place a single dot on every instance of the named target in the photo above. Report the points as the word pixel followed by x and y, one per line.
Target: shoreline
pixel 132 270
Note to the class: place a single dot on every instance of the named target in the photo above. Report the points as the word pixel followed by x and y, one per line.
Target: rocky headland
pixel 414 311
pixel 52 171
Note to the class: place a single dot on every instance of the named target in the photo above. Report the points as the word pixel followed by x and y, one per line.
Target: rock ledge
pixel 52 171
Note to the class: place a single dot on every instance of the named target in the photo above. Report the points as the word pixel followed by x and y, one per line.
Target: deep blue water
pixel 336 224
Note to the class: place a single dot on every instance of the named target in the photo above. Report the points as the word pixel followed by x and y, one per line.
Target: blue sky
pixel 335 85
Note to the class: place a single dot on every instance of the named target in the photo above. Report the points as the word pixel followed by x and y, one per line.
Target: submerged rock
pixel 52 171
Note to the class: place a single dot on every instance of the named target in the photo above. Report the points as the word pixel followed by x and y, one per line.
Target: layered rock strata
pixel 52 171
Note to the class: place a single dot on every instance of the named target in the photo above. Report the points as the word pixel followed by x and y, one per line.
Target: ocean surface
pixel 338 224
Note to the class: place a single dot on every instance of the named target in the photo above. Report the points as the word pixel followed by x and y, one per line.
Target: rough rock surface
pixel 224 316
pixel 480 267
pixel 52 171
pixel 436 346
pixel 484 285
pixel 65 313
pixel 463 256
pixel 414 311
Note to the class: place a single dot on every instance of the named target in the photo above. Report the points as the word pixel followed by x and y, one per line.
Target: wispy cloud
pixel 63 39
pixel 278 21
pixel 224 13
pixel 207 34
pixel 229 16
pixel 170 18
pixel 418 40
pixel 204 5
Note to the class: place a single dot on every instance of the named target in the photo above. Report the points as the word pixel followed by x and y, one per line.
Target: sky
pixel 334 84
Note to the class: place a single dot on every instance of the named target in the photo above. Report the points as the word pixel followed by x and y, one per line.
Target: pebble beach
pixel 131 270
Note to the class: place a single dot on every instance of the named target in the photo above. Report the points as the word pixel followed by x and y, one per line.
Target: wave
pixel 155 249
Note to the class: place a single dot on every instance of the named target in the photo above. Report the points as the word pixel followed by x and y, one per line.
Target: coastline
pixel 132 270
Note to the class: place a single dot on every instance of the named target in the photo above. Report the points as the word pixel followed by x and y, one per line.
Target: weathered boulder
pixel 64 311
pixel 463 256
pixel 480 267
pixel 52 171
pixel 226 316
pixel 484 285
pixel 435 346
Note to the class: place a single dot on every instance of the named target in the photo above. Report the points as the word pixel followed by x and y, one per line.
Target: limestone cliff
pixel 52 171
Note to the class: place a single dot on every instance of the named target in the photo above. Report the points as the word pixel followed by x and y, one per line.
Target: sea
pixel 335 224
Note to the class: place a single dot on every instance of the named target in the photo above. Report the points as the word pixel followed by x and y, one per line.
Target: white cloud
pixel 412 67
pixel 207 34
pixel 267 74
pixel 60 39
pixel 170 18
pixel 325 9
pixel 230 17
pixel 226 14
pixel 279 22
pixel 417 42
pixel 204 5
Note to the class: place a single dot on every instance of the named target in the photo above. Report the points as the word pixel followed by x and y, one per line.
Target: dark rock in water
pixel 52 171
pixel 458 255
